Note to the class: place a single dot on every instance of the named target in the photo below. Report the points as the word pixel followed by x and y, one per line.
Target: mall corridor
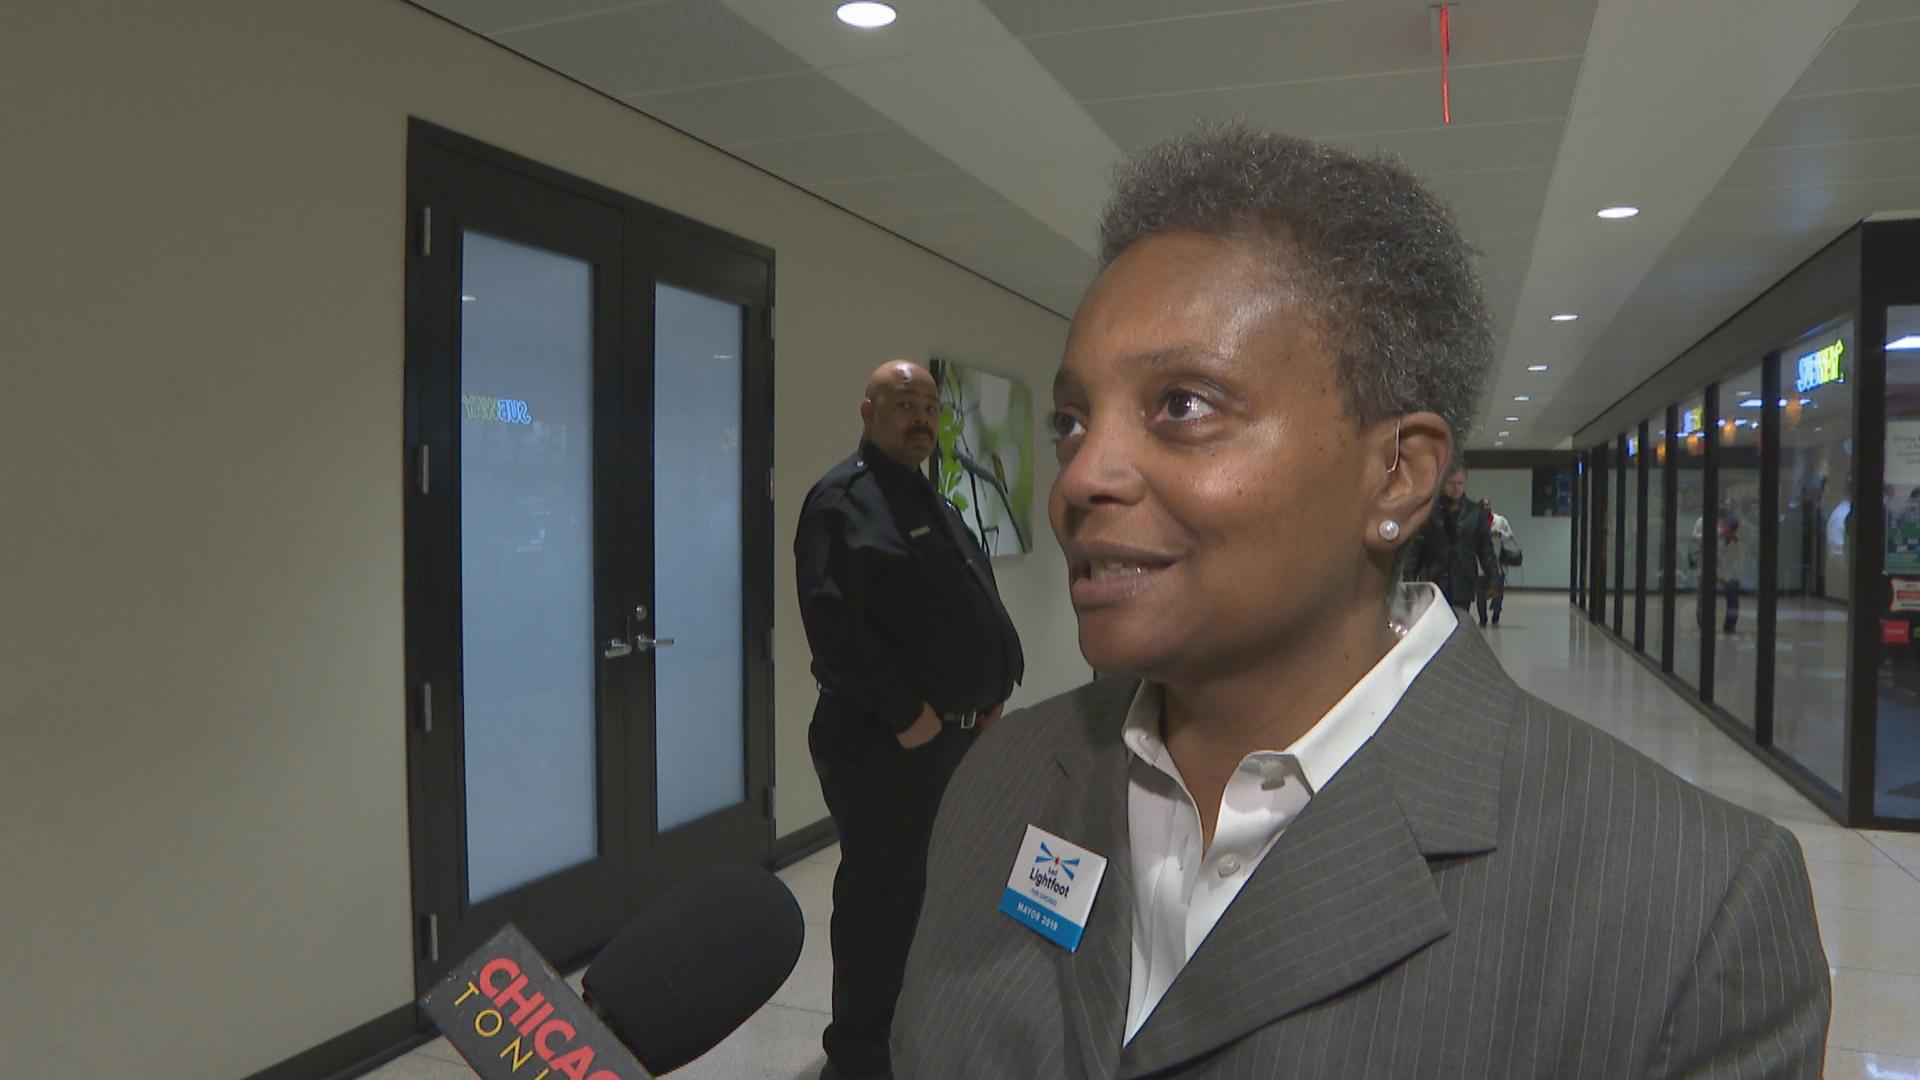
pixel 1866 884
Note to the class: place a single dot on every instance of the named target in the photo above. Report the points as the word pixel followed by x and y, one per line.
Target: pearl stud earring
pixel 1389 530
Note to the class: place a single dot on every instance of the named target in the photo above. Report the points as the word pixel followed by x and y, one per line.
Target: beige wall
pixel 202 770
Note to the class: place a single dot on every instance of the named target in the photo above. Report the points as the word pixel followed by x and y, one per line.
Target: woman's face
pixel 1212 496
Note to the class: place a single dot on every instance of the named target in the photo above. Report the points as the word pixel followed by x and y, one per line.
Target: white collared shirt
pixel 1180 891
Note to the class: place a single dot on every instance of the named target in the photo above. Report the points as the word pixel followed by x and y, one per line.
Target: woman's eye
pixel 1186 405
pixel 1063 426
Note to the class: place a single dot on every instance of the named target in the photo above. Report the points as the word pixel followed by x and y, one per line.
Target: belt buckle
pixel 967 720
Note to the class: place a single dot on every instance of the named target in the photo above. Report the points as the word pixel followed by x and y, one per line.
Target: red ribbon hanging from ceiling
pixel 1446 47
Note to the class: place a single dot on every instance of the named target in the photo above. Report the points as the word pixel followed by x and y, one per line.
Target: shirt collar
pixel 1330 743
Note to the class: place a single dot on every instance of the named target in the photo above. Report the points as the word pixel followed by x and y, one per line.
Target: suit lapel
pixel 1347 893
pixel 1089 807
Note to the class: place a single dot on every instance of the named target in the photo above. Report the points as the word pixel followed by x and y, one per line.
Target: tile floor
pixel 1866 884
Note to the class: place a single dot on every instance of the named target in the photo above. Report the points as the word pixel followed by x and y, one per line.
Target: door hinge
pixel 430 936
pixel 769 483
pixel 422 468
pixel 425 708
pixel 426 231
pixel 767 793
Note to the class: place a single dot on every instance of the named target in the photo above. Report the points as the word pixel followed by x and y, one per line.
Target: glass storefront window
pixel 1736 539
pixel 1814 561
pixel 1897 758
pixel 1602 524
pixel 1692 486
pixel 1659 566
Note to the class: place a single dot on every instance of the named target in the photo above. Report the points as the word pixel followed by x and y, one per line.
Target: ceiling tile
pixel 1831 118
pixel 946 226
pixel 1491 186
pixel 1864 58
pixel 1296 43
pixel 1503 246
pixel 657 47
pixel 492 16
pixel 762 110
pixel 1883 11
pixel 951 190
pixel 862 155
pixel 1530 90
pixel 1027 17
pixel 971 251
pixel 1836 164
pixel 1483 219
pixel 1466 147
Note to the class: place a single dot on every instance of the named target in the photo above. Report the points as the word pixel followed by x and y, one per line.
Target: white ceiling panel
pixel 1520 90
pixel 493 16
pixel 1028 18
pixel 1876 56
pixel 1524 144
pixel 1041 245
pixel 950 190
pixel 939 227
pixel 1491 186
pixel 1359 37
pixel 801 105
pixel 860 155
pixel 1752 131
pixel 1841 163
pixel 656 47
pixel 1843 117
pixel 1496 219
pixel 1868 11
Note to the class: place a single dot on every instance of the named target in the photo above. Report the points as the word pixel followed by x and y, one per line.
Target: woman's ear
pixel 1413 454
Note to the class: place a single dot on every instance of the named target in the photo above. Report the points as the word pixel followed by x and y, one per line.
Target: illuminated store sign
pixel 1820 368
pixel 497 410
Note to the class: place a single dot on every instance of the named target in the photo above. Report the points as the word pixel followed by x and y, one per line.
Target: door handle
pixel 645 643
pixel 616 649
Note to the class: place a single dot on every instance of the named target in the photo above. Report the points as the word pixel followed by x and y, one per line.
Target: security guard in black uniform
pixel 913 653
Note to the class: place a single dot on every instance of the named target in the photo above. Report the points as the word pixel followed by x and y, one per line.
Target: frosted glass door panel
pixel 699 695
pixel 526 562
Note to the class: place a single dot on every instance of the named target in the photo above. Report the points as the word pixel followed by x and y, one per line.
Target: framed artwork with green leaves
pixel 984 462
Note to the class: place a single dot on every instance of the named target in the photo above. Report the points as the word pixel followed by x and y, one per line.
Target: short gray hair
pixel 1374 255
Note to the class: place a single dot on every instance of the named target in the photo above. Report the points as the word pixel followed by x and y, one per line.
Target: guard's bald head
pixel 897 375
pixel 901 412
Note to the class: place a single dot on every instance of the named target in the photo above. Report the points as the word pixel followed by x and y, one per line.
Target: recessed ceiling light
pixel 1521 397
pixel 1615 213
pixel 1536 367
pixel 1499 444
pixel 1504 434
pixel 1564 316
pixel 866 14
pixel 1903 344
pixel 465 299
pixel 1513 419
pixel 1752 403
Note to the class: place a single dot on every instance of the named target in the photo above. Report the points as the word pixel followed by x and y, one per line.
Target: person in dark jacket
pixel 914 654
pixel 1454 550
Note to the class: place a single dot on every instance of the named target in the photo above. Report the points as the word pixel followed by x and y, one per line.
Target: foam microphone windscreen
pixel 696 964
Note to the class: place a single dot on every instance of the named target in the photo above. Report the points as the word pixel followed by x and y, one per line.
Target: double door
pixel 588 560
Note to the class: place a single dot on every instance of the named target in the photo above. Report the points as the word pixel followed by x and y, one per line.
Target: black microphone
pixel 671 985
pixel 696 964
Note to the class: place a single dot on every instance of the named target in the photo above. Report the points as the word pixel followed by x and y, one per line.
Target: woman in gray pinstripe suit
pixel 1338 840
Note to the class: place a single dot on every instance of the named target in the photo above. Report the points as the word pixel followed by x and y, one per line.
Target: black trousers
pixel 1499 597
pixel 883 798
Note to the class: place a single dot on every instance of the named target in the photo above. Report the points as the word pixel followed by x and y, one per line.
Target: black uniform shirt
pixel 897 597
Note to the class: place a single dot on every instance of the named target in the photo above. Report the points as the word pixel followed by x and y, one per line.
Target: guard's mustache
pixel 917 430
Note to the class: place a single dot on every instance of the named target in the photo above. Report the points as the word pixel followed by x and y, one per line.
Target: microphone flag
pixel 512 1017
